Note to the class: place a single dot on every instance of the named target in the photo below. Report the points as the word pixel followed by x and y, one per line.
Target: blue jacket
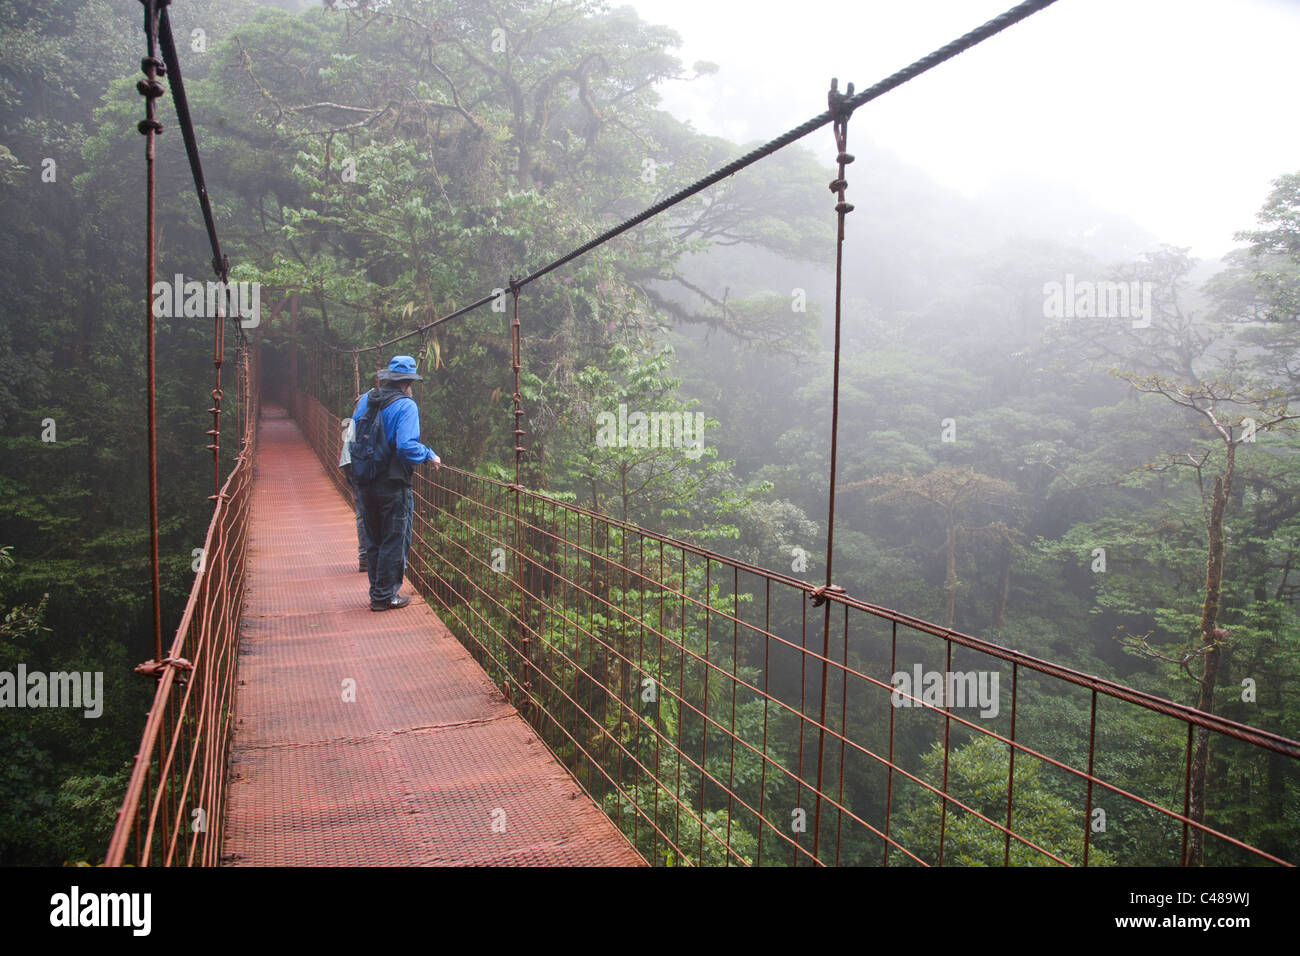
pixel 401 420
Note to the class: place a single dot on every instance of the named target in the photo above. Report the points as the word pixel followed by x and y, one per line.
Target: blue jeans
pixel 387 507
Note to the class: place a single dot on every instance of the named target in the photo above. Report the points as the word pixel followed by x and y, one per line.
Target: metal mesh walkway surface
pixel 427 765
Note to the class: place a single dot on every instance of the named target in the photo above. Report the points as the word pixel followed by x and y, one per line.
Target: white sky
pixel 1176 113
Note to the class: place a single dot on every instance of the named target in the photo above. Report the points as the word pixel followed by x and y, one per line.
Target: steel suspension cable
pixel 220 264
pixel 842 111
pixel 151 89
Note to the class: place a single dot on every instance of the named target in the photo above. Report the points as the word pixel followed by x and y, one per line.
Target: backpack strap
pixel 398 469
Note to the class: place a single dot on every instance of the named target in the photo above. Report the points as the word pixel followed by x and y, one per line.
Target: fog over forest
pixel 1068 399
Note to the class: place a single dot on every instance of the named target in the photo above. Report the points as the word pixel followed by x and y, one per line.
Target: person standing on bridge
pixel 345 463
pixel 387 503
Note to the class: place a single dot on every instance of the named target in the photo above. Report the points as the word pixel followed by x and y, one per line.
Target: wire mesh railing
pixel 172 811
pixel 690 696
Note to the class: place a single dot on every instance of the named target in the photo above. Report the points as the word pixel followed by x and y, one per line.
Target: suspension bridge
pixel 567 688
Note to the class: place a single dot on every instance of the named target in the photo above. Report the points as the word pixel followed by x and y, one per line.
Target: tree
pixel 1219 404
pixel 952 492
pixel 1275 252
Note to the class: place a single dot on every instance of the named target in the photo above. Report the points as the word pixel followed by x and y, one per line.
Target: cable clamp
pixel 839 102
pixel 820 593
pixel 152 668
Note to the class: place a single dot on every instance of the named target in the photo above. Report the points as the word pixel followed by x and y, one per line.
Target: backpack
pixel 372 453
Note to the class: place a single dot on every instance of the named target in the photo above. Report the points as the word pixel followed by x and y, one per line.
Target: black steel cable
pixel 168 46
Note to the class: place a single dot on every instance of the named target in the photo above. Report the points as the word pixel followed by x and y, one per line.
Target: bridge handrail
pixel 180 766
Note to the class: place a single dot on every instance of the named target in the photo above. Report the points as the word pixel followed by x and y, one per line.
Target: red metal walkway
pixel 429 764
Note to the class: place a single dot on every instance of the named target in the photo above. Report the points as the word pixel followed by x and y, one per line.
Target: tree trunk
pixel 1004 589
pixel 1210 637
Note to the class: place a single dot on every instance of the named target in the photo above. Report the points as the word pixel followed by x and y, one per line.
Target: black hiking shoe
pixel 392 605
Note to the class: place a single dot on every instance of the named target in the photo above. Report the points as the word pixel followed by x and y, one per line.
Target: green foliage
pixel 648 815
pixel 47 815
pixel 977 777
pixel 71 370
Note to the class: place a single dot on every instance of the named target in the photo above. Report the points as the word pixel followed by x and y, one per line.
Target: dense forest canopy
pixel 1016 460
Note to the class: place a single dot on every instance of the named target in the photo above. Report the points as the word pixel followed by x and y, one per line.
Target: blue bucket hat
pixel 401 369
